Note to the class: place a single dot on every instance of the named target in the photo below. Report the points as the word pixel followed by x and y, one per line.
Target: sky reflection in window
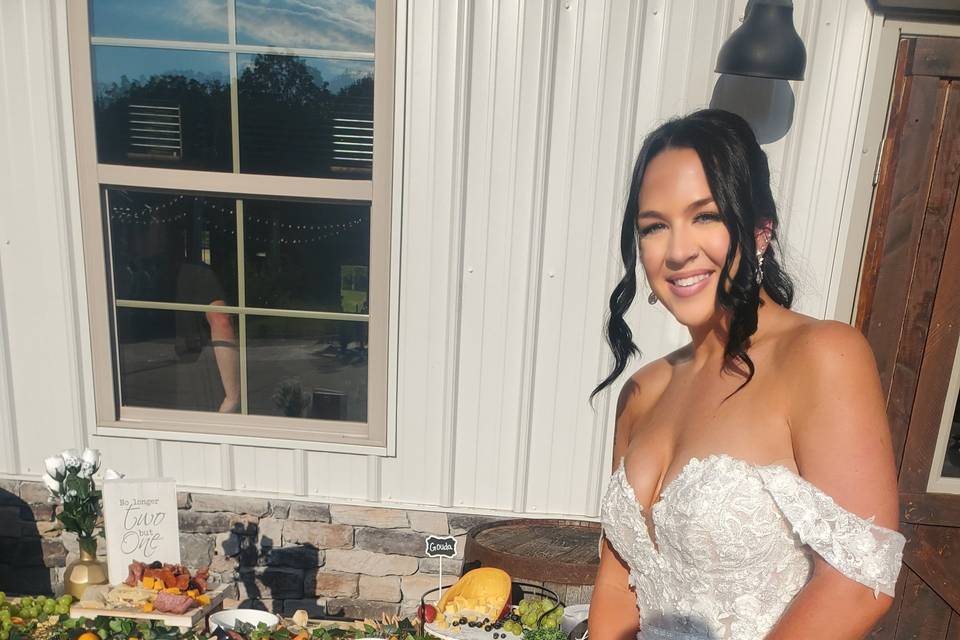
pixel 186 20
pixel 338 25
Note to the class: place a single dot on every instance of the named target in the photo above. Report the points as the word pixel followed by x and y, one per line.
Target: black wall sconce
pixel 766 45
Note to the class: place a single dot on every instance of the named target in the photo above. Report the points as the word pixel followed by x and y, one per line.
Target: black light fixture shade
pixel 766 45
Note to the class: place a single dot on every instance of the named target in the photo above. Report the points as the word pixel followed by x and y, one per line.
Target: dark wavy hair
pixel 739 178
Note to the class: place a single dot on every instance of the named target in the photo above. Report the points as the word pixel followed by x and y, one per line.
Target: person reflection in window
pixel 198 284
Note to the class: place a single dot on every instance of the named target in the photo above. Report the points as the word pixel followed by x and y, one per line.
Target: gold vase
pixel 85 572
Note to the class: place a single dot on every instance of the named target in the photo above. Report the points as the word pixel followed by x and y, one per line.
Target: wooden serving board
pixel 188 619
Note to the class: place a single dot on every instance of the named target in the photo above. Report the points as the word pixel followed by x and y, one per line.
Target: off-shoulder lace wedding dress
pixel 734 543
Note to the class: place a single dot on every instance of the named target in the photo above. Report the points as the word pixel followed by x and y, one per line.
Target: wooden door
pixel 909 309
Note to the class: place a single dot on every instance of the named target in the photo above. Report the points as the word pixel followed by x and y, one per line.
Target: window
pixel 945 474
pixel 235 165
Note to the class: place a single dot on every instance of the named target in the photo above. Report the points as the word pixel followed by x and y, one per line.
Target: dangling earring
pixel 759 268
pixel 652 298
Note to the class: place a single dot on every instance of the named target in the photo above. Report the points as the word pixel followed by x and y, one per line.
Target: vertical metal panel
pixel 437 56
pixel 500 220
pixel 191 464
pixel 35 251
pixel 332 476
pixel 264 470
pixel 124 455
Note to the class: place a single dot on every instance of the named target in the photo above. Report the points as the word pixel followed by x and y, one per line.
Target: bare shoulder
pixel 837 417
pixel 823 350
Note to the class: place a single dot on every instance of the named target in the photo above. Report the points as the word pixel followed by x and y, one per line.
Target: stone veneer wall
pixel 277 554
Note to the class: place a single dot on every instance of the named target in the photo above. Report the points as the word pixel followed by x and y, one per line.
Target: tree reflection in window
pixel 306 116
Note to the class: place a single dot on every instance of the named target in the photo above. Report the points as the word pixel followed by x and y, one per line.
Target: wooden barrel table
pixel 560 555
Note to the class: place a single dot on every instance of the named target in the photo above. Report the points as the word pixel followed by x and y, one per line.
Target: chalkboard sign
pixel 441 547
pixel 140 522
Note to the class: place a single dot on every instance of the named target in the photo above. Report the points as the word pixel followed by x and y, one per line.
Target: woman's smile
pixel 689 283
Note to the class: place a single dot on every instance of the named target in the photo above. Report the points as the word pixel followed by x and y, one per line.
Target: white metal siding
pixel 520 121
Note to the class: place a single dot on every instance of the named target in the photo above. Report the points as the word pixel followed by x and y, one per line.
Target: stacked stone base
pixel 278 555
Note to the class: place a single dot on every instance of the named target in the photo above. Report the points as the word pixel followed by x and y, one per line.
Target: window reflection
pixel 306 368
pixel 338 25
pixel 169 247
pixel 162 108
pixel 183 20
pixel 305 116
pixel 951 460
pixel 178 360
pixel 307 256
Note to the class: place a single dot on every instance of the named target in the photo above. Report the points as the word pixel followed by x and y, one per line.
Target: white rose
pixel 55 467
pixel 52 484
pixel 91 457
pixel 71 458
pixel 110 474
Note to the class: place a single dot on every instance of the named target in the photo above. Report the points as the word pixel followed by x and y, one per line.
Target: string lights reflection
pixel 165 213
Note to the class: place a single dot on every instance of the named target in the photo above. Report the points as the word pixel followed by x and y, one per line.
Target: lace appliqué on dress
pixel 856 547
pixel 732 544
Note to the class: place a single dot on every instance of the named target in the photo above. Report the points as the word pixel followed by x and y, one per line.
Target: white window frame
pixel 370 437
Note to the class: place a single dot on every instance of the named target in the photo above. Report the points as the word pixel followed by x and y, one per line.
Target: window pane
pixel 169 247
pixel 951 459
pixel 185 20
pixel 306 116
pixel 339 25
pixel 306 256
pixel 307 368
pixel 162 108
pixel 178 360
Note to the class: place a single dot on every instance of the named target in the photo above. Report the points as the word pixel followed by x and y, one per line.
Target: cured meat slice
pixel 171 603
pixel 135 574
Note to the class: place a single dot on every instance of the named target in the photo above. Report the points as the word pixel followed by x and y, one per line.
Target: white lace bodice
pixel 734 545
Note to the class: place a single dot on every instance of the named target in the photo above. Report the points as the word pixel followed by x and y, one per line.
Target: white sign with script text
pixel 140 522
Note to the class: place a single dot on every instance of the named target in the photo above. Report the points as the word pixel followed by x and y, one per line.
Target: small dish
pixel 228 618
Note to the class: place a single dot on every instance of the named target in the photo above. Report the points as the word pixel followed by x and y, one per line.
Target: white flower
pixel 86 470
pixel 71 458
pixel 110 474
pixel 91 457
pixel 55 467
pixel 52 484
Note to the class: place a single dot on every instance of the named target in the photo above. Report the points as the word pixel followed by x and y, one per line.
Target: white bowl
pixel 573 615
pixel 228 618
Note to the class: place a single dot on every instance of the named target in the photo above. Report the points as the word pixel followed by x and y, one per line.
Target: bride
pixel 754 493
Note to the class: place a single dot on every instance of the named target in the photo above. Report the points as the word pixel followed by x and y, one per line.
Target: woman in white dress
pixel 754 491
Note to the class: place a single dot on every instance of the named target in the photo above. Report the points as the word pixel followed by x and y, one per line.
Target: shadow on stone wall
pixel 270 574
pixel 23 565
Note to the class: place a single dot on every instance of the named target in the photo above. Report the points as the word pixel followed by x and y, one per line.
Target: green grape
pixel 62 609
pixel 26 601
pixel 49 606
pixel 40 599
pixel 66 599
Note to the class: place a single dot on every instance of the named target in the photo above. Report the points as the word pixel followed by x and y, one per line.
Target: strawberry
pixel 427 612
